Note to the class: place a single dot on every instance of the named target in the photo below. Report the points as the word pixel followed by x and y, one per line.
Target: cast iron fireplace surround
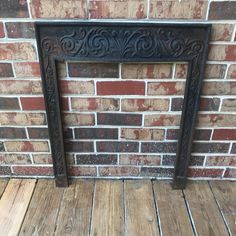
pixel 122 42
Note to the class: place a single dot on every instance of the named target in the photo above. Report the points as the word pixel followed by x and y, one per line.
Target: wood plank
pixel 75 211
pixel 204 210
pixel 3 184
pixel 225 194
pixel 43 209
pixel 108 208
pixel 13 205
pixel 141 218
pixel 172 210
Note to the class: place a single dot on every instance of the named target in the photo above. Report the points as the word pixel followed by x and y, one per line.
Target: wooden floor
pixel 116 207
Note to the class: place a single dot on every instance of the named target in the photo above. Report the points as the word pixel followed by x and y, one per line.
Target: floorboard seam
pixel 92 208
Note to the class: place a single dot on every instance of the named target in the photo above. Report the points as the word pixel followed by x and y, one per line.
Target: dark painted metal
pixel 122 42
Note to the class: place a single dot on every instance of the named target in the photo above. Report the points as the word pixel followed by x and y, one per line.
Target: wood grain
pixel 75 211
pixel 13 205
pixel 141 218
pixel 3 184
pixel 108 209
pixel 172 210
pixel 225 194
pixel 43 209
pixel 205 213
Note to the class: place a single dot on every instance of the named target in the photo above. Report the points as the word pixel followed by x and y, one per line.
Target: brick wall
pixel 120 119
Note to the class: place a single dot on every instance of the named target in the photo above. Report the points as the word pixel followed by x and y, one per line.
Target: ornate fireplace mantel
pixel 122 42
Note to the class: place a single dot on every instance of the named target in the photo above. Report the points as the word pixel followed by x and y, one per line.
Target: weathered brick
pixel 193 9
pixel 14 9
pixel 61 68
pixel 12 133
pixel 59 9
pixel 142 134
pixel 118 171
pixel 15 159
pixel 140 160
pixel 225 10
pixel 131 9
pixel 199 134
pixel 96 133
pixel 219 88
pixel 32 103
pixel 17 51
pixel 6 70
pixel 100 159
pixel 165 88
pixel 145 104
pixel 216 120
pixel 146 71
pixel 205 147
pixel 222 52
pixel 77 119
pixel 38 133
pixel 200 172
pixel 228 104
pixel 95 104
pixel 42 158
pixel 121 88
pixel 222 32
pixel 221 161
pixel 157 172
pixel 9 103
pixel 82 171
pixel 215 71
pixel 116 146
pixel 33 170
pixel 91 70
pixel 27 69
pixel 2 148
pixel 162 120
pixel 5 170
pixel 232 72
pixel 20 87
pixel 181 71
pixel 76 146
pixel 20 29
pixel 2 33
pixel 230 173
pixel 119 119
pixel 22 119
pixel 224 134
pixel 159 147
pixel 64 103
pixel 77 87
pixel 26 146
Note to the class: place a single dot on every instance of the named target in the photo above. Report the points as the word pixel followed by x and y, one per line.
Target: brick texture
pixel 222 10
pixel 20 30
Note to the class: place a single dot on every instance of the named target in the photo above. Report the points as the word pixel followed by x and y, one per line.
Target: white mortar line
pixel 29 9
pixel 148 9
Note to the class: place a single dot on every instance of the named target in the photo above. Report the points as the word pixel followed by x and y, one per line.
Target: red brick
pixel 224 134
pixel 12 133
pixel 14 9
pixel 221 161
pixel 225 10
pixel 76 119
pixel 162 120
pixel 118 171
pixel 76 146
pixel 17 51
pixel 222 52
pixel 181 71
pixel 166 88
pixel 33 170
pixel 121 88
pixel 26 146
pixel 15 159
pixel 146 71
pixel 59 9
pixel 2 34
pixel 38 133
pixel 230 173
pixel 232 72
pixel 140 160
pixel 20 87
pixel 163 9
pixel 210 173
pixel 222 32
pixel 77 87
pixel 216 120
pixel 82 171
pixel 95 104
pixel 131 9
pixel 6 70
pixel 20 29
pixel 215 71
pixel 32 103
pixel 27 69
pixel 42 158
pixel 145 104
pixel 7 103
